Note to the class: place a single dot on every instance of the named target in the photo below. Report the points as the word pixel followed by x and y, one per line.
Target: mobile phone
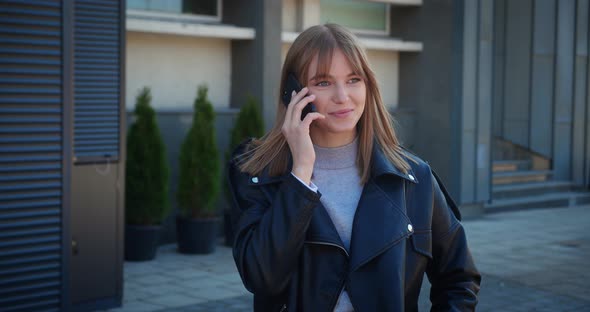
pixel 291 84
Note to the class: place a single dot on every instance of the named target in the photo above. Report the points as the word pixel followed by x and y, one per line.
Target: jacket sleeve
pixel 269 234
pixel 452 273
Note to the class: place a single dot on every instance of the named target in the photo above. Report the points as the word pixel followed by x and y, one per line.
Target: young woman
pixel 331 213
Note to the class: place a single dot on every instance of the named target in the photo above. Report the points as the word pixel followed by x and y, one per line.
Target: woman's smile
pixel 342 113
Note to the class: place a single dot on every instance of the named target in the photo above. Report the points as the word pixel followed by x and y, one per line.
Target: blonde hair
pixel 272 151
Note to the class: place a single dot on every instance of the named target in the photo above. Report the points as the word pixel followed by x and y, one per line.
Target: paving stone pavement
pixel 533 260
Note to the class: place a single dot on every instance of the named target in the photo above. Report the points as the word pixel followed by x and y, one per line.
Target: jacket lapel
pixel 380 220
pixel 379 223
pixel 322 229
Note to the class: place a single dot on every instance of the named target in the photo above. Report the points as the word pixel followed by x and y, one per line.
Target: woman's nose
pixel 340 94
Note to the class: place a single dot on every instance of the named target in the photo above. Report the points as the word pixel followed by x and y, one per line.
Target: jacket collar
pixel 380 165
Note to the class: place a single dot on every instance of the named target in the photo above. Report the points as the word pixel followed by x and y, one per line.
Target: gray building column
pixel 256 64
pixel 542 77
pixel 580 123
pixel 564 87
pixel 499 61
pixel 586 167
pixel 427 86
pixel 476 104
pixel 517 71
pixel 468 125
pixel 484 104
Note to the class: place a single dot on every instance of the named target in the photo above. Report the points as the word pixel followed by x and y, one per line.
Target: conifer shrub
pixel 146 169
pixel 199 164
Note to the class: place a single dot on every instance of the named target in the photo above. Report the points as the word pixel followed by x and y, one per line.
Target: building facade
pixel 494 94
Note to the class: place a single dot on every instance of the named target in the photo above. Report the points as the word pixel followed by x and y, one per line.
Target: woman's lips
pixel 343 113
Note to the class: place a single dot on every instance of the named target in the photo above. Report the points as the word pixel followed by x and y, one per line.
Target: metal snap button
pixel 255 179
pixel 411 177
pixel 410 228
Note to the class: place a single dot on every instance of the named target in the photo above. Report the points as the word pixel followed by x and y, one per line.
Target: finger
pixel 311 117
pixel 298 108
pixel 295 97
pixel 289 110
pixel 299 95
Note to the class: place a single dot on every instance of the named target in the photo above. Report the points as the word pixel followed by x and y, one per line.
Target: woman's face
pixel 340 96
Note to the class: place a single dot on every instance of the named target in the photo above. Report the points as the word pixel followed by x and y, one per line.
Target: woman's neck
pixel 327 139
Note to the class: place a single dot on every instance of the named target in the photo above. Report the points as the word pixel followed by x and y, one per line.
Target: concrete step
pixel 555 200
pixel 502 191
pixel 521 176
pixel 510 165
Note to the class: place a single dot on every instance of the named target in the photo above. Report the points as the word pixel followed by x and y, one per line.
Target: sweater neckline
pixel 336 157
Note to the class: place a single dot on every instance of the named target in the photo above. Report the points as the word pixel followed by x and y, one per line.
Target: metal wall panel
pixel 97 187
pixel 586 167
pixel 469 102
pixel 517 75
pixel 484 101
pixel 498 63
pixel 31 155
pixel 97 82
pixel 580 91
pixel 543 77
pixel 564 87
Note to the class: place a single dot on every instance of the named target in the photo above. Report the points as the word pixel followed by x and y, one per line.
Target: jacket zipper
pixel 329 244
pixel 283 308
pixel 343 281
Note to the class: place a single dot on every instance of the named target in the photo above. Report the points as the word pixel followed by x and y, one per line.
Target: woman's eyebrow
pixel 316 77
pixel 322 76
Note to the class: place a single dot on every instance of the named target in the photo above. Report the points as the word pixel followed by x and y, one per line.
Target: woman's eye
pixel 354 80
pixel 322 84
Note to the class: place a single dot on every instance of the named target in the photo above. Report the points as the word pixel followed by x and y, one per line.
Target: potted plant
pixel 249 124
pixel 146 182
pixel 199 178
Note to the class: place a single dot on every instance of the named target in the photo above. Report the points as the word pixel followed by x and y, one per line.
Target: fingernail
pixel 293 93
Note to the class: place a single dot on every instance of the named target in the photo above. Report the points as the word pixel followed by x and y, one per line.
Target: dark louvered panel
pixel 97 82
pixel 30 155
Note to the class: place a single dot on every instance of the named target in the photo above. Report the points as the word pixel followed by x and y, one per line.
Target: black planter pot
pixel 141 242
pixel 228 231
pixel 197 236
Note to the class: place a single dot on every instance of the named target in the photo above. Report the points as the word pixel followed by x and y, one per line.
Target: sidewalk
pixel 534 260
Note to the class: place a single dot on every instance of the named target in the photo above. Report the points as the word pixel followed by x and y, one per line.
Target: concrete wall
pixel 290 15
pixel 173 66
pixel 385 64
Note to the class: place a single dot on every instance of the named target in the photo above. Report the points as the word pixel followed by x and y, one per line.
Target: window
pixel 361 16
pixel 205 9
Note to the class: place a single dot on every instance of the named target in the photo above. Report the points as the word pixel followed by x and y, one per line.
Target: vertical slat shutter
pixel 96 80
pixel 30 155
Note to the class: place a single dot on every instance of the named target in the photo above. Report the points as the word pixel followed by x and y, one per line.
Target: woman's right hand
pixel 296 131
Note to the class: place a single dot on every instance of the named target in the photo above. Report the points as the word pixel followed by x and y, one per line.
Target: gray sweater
pixel 337 177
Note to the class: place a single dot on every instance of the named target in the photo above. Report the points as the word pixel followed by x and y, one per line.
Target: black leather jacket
pixel 290 255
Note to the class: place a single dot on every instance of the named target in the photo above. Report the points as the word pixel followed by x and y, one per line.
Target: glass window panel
pixel 359 15
pixel 137 4
pixel 197 7
pixel 200 7
pixel 168 6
